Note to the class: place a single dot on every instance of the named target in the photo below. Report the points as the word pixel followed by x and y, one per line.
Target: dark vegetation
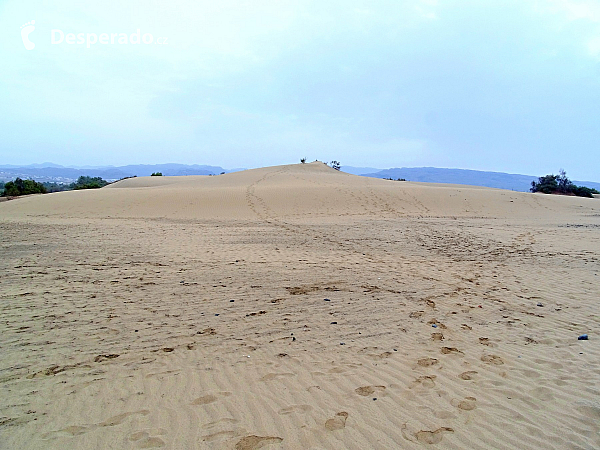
pixel 56 187
pixel 22 187
pixel 89 183
pixel 25 187
pixel 156 174
pixel 335 165
pixel 560 184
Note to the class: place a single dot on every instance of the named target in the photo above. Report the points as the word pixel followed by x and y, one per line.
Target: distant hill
pixel 498 180
pixel 30 166
pixel 359 170
pixel 56 173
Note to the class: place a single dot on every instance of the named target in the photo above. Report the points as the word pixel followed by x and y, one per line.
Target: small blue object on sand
pixel 583 337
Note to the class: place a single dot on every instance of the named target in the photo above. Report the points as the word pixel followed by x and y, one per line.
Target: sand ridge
pixel 298 307
pixel 297 192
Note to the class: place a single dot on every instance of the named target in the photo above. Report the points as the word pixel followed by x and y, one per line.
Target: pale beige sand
pixel 118 329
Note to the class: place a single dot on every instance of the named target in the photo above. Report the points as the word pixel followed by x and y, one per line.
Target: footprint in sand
pixel 76 430
pixel 468 404
pixel 437 324
pixel 425 381
pixel 369 390
pixel 210 398
pixel 73 430
pixel 274 376
pixel 119 419
pixel 426 362
pixel 468 375
pixel 424 436
pixel 254 442
pixel 205 400
pixel 143 439
pixel 338 422
pixel 492 359
pixel 432 437
pixel 485 341
pixel 437 337
pixel 451 350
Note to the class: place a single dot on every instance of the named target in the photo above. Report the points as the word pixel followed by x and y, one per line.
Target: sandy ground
pixel 297 307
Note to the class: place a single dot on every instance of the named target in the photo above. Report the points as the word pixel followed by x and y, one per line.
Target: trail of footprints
pixel 141 439
pixel 338 421
pixel 147 438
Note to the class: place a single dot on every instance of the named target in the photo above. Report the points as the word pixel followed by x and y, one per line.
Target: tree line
pixel 560 184
pixel 25 187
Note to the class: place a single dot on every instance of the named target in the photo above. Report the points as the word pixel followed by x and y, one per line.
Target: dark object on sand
pixel 583 337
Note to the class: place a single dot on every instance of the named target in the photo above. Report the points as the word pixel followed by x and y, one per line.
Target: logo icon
pixel 25 32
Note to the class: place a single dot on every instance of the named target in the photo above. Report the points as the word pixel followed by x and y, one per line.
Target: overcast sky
pixel 510 86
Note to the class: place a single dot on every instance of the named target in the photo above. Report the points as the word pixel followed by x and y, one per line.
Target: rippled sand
pixel 297 307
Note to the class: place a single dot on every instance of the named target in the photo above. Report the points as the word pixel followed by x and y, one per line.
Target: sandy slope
pixel 298 307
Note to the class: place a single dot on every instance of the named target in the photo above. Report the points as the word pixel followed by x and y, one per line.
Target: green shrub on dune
pixel 22 187
pixel 89 183
pixel 560 184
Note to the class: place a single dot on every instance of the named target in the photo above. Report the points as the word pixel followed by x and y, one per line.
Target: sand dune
pixel 296 192
pixel 297 307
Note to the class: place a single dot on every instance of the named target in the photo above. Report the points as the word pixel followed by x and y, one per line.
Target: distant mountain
pixel 498 180
pixel 359 170
pixel 56 173
pixel 31 166
pixel 590 184
pixel 172 169
pixel 45 164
